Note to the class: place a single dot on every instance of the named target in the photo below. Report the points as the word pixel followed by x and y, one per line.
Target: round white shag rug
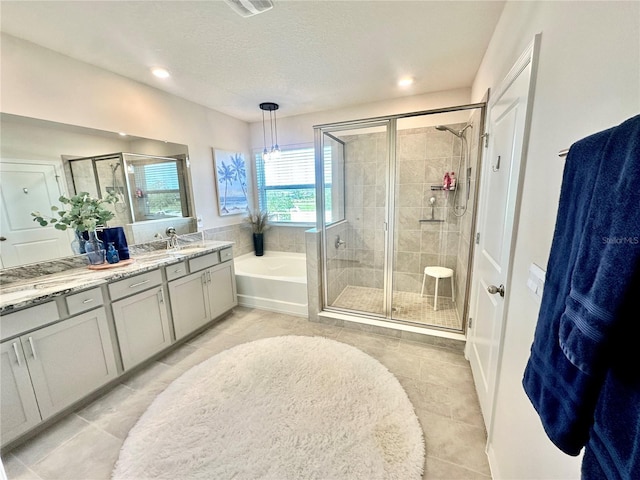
pixel 289 407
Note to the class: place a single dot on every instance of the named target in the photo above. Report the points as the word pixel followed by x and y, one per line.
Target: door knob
pixel 2 239
pixel 492 289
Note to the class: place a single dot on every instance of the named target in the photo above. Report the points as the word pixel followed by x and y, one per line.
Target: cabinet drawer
pixel 226 254
pixel 176 271
pixel 83 301
pixel 205 261
pixel 135 284
pixel 28 319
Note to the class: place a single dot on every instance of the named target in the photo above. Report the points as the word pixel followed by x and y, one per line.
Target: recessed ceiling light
pixel 160 72
pixel 405 82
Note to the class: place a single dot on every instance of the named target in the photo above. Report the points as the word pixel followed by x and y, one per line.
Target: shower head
pixel 458 134
pixel 114 167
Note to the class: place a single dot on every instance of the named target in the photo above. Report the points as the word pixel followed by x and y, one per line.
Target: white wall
pixel 298 129
pixel 39 83
pixel 588 80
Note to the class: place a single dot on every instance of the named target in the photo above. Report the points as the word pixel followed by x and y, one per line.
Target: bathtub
pixel 277 281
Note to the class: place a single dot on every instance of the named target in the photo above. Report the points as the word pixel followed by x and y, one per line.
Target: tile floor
pixel 85 445
pixel 408 306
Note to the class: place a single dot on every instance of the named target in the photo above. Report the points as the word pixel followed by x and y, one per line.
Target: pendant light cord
pixel 271 125
pixel 275 121
pixel 264 133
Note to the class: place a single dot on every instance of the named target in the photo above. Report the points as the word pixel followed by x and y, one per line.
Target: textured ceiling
pixel 305 55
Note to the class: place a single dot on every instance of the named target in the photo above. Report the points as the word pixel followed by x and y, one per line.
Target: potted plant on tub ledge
pixel 83 213
pixel 259 222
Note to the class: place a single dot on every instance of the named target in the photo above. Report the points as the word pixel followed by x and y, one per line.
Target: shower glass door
pixel 433 215
pixel 407 187
pixel 354 162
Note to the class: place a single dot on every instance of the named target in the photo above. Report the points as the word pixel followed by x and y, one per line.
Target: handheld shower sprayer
pixel 464 155
pixel 444 128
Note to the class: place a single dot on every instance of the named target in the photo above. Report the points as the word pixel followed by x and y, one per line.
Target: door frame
pixel 528 58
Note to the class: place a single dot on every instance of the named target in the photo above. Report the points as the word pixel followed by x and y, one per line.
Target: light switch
pixel 535 282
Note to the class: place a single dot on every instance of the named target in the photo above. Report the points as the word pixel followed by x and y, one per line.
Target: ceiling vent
pixel 249 8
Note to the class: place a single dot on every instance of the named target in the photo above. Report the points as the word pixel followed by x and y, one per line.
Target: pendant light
pixel 273 126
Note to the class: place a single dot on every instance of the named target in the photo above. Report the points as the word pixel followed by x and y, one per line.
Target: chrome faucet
pixel 172 240
pixel 339 242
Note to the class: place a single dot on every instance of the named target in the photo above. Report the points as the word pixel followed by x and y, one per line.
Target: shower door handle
pixel 492 289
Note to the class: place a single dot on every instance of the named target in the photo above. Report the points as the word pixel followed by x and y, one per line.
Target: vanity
pixel 69 336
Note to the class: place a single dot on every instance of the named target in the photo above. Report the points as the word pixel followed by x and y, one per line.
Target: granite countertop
pixel 35 290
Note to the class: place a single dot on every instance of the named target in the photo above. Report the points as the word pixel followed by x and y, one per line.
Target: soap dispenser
pixel 112 254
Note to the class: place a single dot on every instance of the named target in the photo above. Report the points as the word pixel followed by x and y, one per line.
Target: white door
pixel 497 218
pixel 24 188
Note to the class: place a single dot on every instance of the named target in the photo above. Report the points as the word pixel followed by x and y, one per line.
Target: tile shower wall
pixel 424 155
pixel 338 263
pixel 365 201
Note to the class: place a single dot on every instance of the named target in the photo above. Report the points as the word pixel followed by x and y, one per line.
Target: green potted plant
pixel 83 213
pixel 259 222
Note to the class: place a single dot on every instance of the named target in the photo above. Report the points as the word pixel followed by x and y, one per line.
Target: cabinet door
pixel 222 288
pixel 189 303
pixel 143 326
pixel 18 401
pixel 70 359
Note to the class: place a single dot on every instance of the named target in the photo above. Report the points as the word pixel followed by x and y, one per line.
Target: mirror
pixel 40 160
pixel 147 187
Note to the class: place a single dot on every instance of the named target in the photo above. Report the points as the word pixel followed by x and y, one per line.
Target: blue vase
pixel 95 249
pixel 112 254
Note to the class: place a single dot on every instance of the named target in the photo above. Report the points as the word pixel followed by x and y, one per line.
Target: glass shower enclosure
pixel 398 199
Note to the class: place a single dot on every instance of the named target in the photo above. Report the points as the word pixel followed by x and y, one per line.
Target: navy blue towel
pixel 116 236
pixel 593 258
pixel 613 450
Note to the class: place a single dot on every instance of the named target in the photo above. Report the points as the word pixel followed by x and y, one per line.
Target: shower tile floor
pixel 408 306
pixel 85 444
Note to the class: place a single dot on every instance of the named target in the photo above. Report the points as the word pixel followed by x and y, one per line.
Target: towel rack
pixel 563 153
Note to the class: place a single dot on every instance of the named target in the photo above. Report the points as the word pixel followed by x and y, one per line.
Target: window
pixel 157 188
pixel 286 185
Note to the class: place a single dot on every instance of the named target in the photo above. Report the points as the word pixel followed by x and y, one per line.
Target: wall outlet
pixel 535 282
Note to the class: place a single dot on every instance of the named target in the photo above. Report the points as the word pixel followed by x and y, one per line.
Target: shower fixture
pixel 465 155
pixel 121 204
pixel 458 134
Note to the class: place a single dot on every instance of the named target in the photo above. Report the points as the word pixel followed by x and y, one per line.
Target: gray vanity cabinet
pixel 202 296
pixel 189 303
pixel 69 359
pixel 222 288
pixel 19 407
pixel 142 324
pixel 54 354
pixel 46 370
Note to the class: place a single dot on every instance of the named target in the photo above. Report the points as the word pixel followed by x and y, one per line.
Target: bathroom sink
pixel 185 251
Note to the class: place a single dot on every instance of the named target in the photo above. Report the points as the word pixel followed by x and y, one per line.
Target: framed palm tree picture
pixel 231 182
